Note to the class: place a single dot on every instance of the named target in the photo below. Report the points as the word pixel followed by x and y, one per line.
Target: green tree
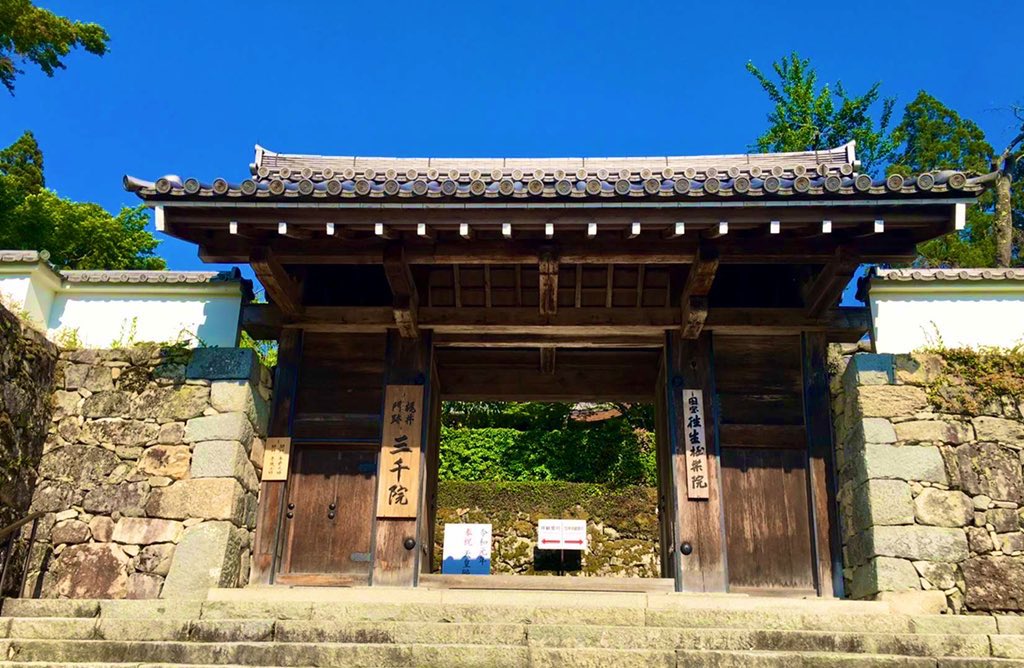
pixel 30 34
pixel 809 117
pixel 930 136
pixel 934 136
pixel 78 235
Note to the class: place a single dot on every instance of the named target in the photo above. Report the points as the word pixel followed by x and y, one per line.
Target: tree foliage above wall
pixel 78 235
pixel 810 115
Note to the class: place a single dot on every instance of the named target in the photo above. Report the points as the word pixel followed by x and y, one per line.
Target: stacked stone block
pixel 27 364
pixel 929 501
pixel 622 524
pixel 150 473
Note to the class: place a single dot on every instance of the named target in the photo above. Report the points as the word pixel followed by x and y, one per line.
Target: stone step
pixel 678 617
pixel 671 618
pixel 924 645
pixel 761 659
pixel 97 652
pixel 104 654
pixel 553 635
pixel 198 638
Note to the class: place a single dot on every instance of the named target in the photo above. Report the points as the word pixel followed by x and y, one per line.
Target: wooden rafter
pixel 405 301
pixel 578 297
pixel 547 360
pixel 282 289
pixel 548 282
pixel 694 298
pixel 487 285
pixel 609 286
pixel 827 287
pixel 457 284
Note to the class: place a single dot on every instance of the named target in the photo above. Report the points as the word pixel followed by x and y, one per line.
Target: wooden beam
pixel 694 315
pixel 282 289
pixel 694 298
pixel 827 288
pixel 891 247
pixel 405 300
pixel 548 283
pixel 580 375
pixel 843 324
pixel 461 340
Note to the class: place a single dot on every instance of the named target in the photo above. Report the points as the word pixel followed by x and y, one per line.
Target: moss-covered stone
pixel 622 523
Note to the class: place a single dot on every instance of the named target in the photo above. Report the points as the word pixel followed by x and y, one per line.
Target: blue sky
pixel 188 87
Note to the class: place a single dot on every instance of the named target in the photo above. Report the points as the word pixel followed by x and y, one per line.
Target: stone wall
pixel 27 364
pixel 930 499
pixel 622 523
pixel 150 473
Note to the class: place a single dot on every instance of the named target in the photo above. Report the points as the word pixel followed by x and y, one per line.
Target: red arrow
pixel 548 540
pixel 577 542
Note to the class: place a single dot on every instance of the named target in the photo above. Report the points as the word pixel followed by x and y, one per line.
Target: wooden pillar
pixel 699 523
pixel 273 492
pixel 828 566
pixel 431 467
pixel 397 541
pixel 666 485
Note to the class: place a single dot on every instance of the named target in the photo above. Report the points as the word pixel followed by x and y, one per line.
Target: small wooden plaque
pixel 276 454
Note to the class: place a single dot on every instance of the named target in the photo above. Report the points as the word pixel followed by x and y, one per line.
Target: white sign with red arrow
pixel 562 534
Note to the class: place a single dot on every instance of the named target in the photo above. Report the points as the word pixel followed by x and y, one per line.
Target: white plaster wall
pixel 923 316
pixel 14 289
pixel 102 320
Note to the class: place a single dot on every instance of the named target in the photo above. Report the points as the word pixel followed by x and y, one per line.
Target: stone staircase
pixel 361 627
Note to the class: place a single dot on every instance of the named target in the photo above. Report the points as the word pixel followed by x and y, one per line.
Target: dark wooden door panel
pixel 353 523
pixel 311 490
pixel 766 518
pixel 330 510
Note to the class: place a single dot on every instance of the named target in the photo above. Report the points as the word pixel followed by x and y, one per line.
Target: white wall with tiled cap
pixel 916 309
pixel 105 309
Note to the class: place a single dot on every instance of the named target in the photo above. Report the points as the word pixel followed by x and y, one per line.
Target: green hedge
pixel 611 452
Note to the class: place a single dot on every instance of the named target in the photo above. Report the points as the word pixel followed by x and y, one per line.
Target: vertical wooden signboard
pixel 697 481
pixel 398 488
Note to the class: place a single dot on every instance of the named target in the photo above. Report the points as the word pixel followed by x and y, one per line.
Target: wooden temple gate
pixel 707 286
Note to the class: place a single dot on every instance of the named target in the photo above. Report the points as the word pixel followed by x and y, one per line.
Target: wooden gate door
pixel 764 463
pixel 329 515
